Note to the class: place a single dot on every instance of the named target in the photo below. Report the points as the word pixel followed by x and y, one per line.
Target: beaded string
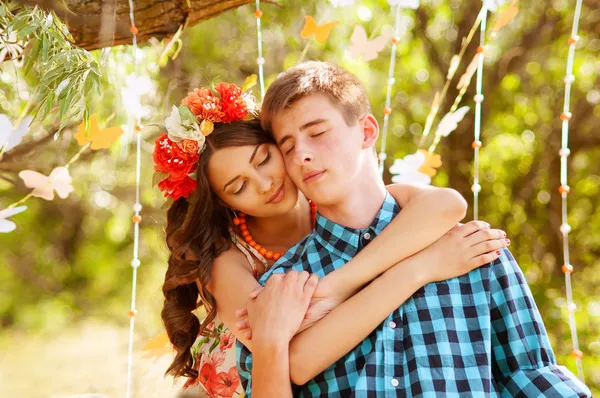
pixel 476 187
pixel 137 208
pixel 260 60
pixel 564 190
pixel 387 110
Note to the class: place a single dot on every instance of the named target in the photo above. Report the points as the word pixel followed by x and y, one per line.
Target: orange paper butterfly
pixel 321 32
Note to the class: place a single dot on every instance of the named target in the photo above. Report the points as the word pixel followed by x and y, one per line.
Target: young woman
pixel 241 213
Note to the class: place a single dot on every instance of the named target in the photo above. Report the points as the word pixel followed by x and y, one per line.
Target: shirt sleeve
pixel 523 361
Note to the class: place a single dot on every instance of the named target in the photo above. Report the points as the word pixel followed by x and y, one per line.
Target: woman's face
pixel 252 179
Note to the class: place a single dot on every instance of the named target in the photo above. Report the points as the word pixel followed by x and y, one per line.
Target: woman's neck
pixel 283 231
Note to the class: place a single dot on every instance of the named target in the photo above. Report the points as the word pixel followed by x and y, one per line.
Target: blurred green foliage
pixel 69 259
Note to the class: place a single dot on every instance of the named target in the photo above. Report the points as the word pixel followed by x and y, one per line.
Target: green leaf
pixel 186 114
pixel 158 177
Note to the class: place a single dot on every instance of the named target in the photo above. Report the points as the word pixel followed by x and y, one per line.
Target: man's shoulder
pixel 294 257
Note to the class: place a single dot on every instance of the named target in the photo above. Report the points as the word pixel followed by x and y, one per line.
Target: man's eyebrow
pixel 303 127
pixel 251 159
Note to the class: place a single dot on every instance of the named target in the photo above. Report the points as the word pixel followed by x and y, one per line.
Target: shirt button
pixel 392 324
pixel 367 236
pixel 395 382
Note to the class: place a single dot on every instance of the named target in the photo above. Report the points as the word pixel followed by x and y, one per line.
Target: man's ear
pixel 370 129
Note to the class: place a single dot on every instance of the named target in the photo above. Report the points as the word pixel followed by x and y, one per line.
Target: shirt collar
pixel 346 241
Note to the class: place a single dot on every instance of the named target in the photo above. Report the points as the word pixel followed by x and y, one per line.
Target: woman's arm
pixel 456 253
pixel 427 214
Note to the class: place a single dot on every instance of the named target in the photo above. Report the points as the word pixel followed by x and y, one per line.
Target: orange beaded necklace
pixel 241 221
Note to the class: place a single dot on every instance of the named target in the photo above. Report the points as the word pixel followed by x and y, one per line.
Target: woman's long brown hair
pixel 197 232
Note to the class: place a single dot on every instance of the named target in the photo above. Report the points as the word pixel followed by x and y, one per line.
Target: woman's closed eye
pixel 267 158
pixel 239 191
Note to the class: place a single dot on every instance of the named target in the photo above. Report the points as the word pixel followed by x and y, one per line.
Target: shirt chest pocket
pixel 445 328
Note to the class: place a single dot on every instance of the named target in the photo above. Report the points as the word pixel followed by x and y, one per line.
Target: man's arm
pixel 524 363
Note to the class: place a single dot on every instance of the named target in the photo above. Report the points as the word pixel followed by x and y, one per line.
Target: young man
pixel 477 335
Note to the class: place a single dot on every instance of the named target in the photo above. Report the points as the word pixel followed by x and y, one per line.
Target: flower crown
pixel 176 152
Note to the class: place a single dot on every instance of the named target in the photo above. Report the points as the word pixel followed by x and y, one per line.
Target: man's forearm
pixel 270 371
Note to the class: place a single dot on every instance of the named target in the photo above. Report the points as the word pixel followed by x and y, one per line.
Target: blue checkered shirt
pixel 478 335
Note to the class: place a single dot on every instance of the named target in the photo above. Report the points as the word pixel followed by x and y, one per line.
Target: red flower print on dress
pixel 227 383
pixel 227 340
pixel 208 377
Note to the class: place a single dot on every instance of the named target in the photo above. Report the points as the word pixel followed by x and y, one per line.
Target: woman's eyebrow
pixel 236 177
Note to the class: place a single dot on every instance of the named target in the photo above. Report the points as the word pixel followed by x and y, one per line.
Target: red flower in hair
pixel 170 158
pixel 204 105
pixel 176 188
pixel 233 103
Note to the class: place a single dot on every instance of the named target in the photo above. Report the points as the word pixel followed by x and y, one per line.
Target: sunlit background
pixel 66 274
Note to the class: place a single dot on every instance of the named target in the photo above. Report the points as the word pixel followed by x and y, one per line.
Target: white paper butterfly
pixel 369 49
pixel 43 186
pixel 10 136
pixel 450 121
pixel 407 170
pixel 7 225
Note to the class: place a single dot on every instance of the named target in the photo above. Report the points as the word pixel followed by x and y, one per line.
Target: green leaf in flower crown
pixel 158 177
pixel 186 114
pixel 160 126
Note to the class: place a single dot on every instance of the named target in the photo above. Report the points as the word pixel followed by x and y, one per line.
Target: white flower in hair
pixel 183 129
pixel 414 4
pixel 341 3
pixel 493 5
pixel 407 170
pixel 7 225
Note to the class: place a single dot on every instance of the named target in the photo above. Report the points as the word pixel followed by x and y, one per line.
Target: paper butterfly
pixel 321 32
pixel 43 186
pixel 432 162
pixel 450 121
pixel 507 16
pixel 9 137
pixel 157 346
pixel 361 45
pixel 7 225
pixel 100 139
pixel 407 170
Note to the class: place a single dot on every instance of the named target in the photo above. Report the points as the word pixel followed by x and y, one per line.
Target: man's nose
pixel 303 154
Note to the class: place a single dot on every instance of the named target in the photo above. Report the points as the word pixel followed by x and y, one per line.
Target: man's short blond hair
pixel 344 90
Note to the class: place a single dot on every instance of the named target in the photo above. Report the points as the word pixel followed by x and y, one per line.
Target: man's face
pixel 322 154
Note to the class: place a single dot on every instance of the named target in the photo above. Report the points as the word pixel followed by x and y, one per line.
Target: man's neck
pixel 360 205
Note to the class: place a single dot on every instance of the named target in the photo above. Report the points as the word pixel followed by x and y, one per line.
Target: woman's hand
pixel 462 249
pixel 275 312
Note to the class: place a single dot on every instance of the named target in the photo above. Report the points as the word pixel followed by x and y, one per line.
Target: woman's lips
pixel 278 195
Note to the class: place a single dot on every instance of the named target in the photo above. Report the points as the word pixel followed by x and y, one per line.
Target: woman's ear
pixel 370 129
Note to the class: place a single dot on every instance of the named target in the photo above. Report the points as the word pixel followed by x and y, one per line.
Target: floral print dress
pixel 215 357
pixel 215 361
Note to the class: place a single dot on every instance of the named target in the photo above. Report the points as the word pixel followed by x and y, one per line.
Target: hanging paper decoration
pixel 360 45
pixel 414 4
pixel 321 32
pixel 7 225
pixel 407 170
pixel 432 162
pixel 507 16
pixel 449 123
pixel 11 137
pixel 260 60
pixel 158 346
pixel 100 139
pixel 43 186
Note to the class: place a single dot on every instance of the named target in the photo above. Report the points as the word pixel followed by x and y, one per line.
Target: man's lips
pixel 276 194
pixel 310 176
